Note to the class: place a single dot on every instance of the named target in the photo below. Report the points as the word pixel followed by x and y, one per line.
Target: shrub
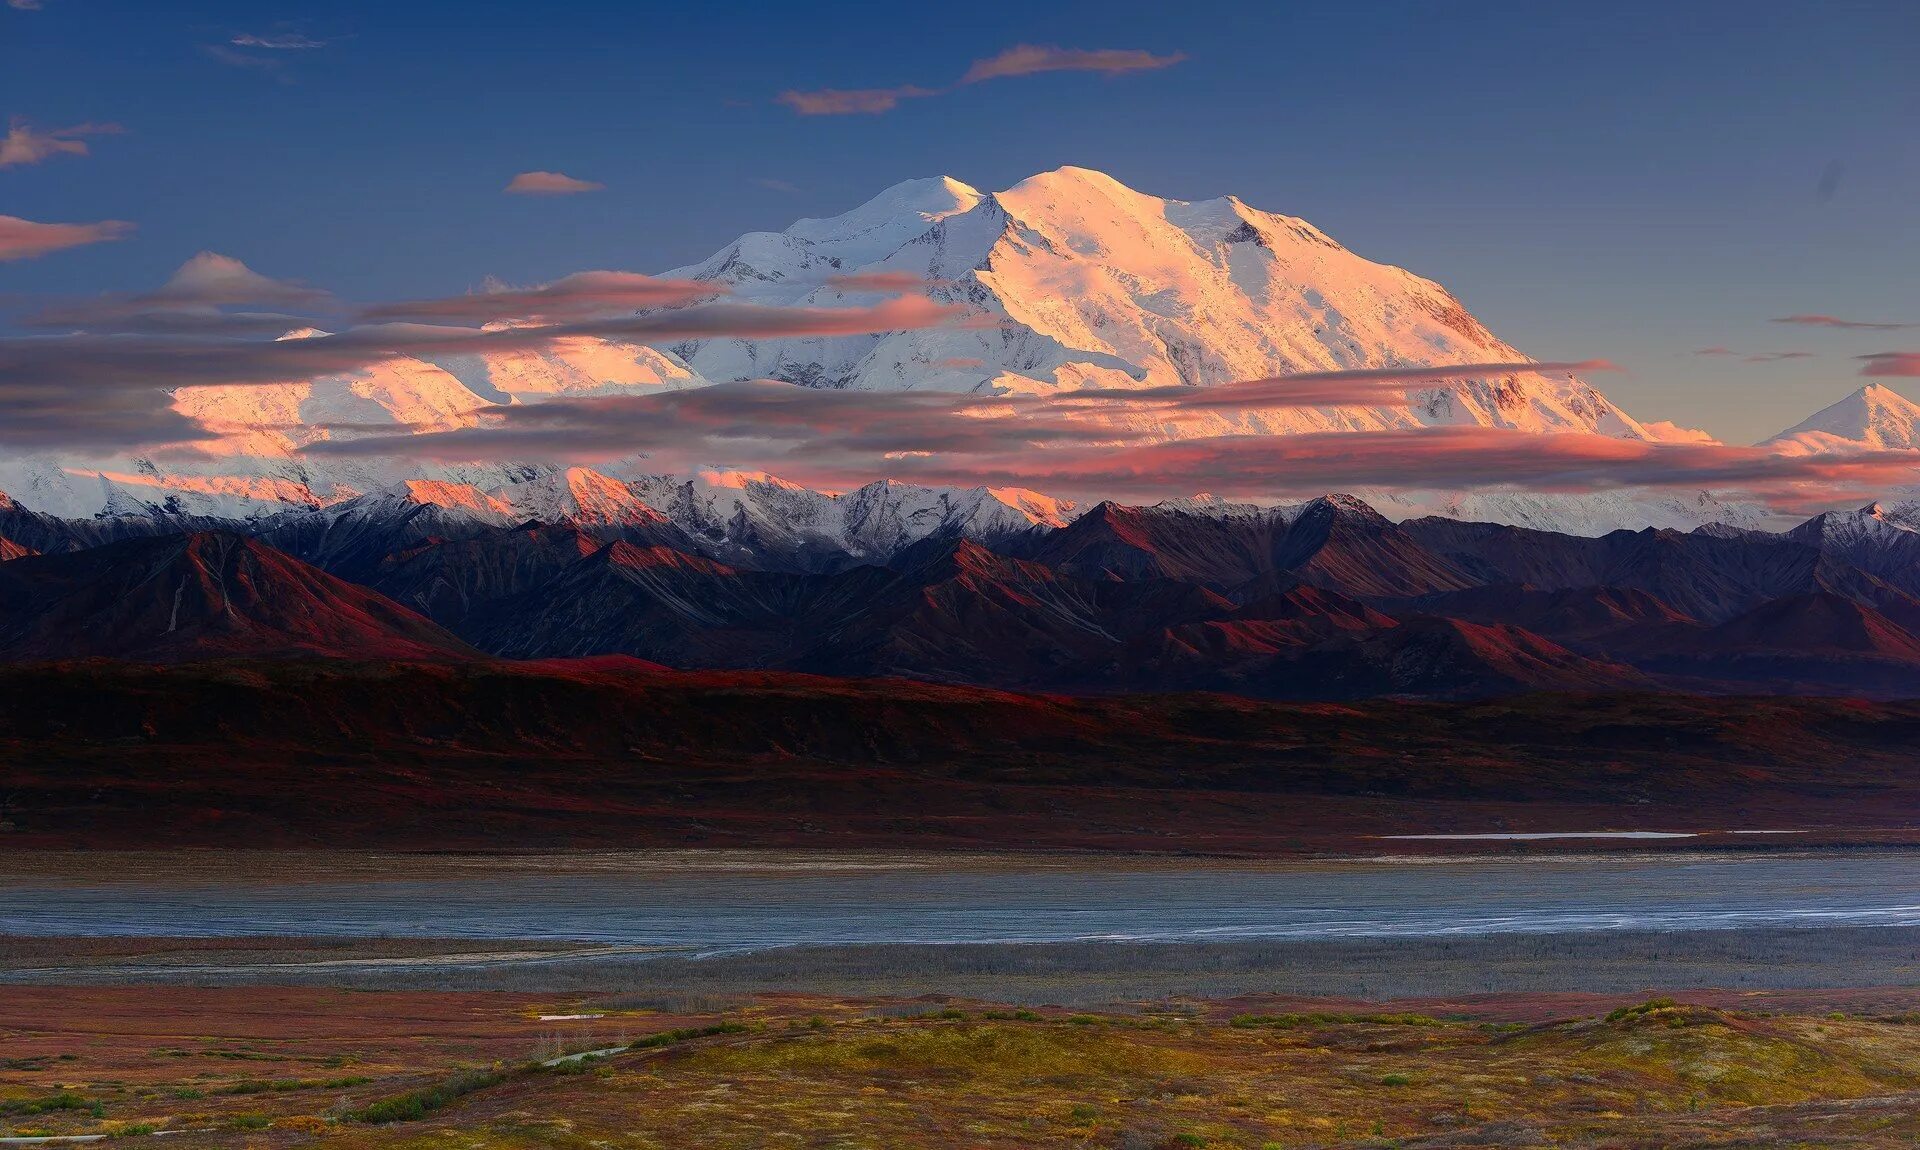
pixel 417 1104
pixel 669 1037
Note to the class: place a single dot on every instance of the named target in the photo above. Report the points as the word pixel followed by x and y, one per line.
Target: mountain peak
pixel 1875 417
pixel 894 213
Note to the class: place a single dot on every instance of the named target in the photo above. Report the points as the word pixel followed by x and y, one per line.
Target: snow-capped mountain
pixel 1075 280
pixel 1090 283
pixel 1875 417
pixel 752 517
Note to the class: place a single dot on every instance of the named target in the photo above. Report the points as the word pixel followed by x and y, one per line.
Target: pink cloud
pixel 1030 59
pixel 1329 388
pixel 1845 324
pixel 883 282
pixel 1902 364
pixel 839 439
pixel 549 184
pixel 87 360
pixel 1019 60
pixel 24 145
pixel 582 295
pixel 24 239
pixel 852 101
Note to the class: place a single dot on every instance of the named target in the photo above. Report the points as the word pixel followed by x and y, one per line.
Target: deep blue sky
pixel 1630 181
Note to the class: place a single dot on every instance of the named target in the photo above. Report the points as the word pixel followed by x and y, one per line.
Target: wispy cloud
pixel 1843 324
pixel 25 145
pixel 549 184
pixel 1019 60
pixel 107 361
pixel 582 295
pixel 1360 387
pixel 278 41
pixel 25 239
pixel 883 282
pixel 110 387
pixel 836 438
pixel 852 101
pixel 24 5
pixel 246 61
pixel 1754 356
pixel 1030 59
pixel 773 185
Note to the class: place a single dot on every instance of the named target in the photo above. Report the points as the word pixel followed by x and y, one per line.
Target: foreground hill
pixel 621 753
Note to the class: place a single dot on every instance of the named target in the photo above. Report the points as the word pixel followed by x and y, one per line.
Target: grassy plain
pixel 262 1066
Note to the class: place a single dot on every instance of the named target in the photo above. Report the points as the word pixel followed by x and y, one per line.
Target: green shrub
pixel 669 1037
pixel 417 1104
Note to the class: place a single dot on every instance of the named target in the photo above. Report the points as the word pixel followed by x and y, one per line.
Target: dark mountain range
pixel 183 597
pixel 1329 600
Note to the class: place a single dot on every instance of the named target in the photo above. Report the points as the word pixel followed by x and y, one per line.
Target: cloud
pixel 754 415
pixel 1030 59
pixel 1755 356
pixel 281 41
pixel 24 239
pixel 100 361
pixel 1844 324
pixel 24 5
pixel 883 282
pixel 24 145
pixel 247 60
pixel 852 101
pixel 838 439
pixel 549 184
pixel 191 300
pixel 583 295
pixel 1897 364
pixel 1019 60
pixel 773 185
pixel 1328 388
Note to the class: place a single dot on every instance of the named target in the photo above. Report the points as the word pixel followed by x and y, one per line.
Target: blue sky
pixel 1628 181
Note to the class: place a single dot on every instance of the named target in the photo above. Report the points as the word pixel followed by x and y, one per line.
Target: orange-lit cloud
pixel 1029 59
pixel 25 239
pixel 582 295
pixel 1361 386
pixel 1844 324
pixel 549 184
pixel 883 282
pixel 852 101
pixel 1905 364
pixel 1019 60
pixel 837 439
pixel 25 145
